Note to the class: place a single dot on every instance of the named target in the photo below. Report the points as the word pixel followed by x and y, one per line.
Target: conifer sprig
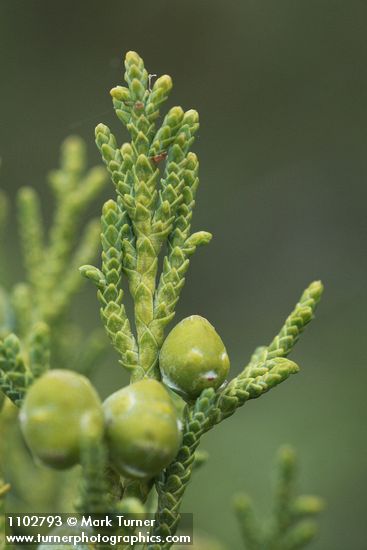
pixel 108 282
pixel 19 367
pixel 288 336
pixel 94 494
pixel 15 375
pixel 51 264
pixel 51 261
pixel 155 177
pixel 153 205
pixel 294 521
pixel 268 368
pixel 250 529
pixel 39 349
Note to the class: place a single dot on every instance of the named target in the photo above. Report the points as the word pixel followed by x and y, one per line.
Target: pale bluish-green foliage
pixel 268 367
pixel 94 490
pixel 153 208
pixel 35 332
pixel 155 176
pixel 294 521
pixel 146 225
pixel 51 261
pixel 52 265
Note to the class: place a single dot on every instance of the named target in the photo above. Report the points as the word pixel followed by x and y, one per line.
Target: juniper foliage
pixel 32 309
pixel 35 329
pixel 155 176
pixel 294 522
pixel 147 224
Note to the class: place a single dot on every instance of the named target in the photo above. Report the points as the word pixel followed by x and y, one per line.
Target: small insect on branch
pixel 159 157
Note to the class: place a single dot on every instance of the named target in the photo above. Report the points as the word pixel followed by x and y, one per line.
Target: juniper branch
pixel 74 190
pixel 293 524
pixel 108 283
pixel 294 325
pixel 250 530
pixel 94 492
pixel 71 282
pixel 284 493
pixel 52 276
pixel 39 349
pixel 200 459
pixel 22 302
pixel 31 233
pixel 152 210
pixel 172 482
pixel 184 167
pixel 6 314
pixel 209 409
pixel 300 536
pixel 15 376
pixel 269 368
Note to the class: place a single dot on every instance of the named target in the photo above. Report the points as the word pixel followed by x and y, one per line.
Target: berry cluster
pixel 140 423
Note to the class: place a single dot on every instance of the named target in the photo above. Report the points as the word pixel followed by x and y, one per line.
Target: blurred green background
pixel 281 88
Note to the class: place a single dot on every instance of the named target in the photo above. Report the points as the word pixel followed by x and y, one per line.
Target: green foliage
pixel 51 267
pixel 267 369
pixel 39 349
pixel 293 524
pixel 113 311
pixel 153 208
pixel 146 225
pixel 15 377
pixel 35 330
pixel 94 497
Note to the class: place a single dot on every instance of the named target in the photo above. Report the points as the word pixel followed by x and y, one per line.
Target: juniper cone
pixel 59 410
pixel 193 357
pixel 142 429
